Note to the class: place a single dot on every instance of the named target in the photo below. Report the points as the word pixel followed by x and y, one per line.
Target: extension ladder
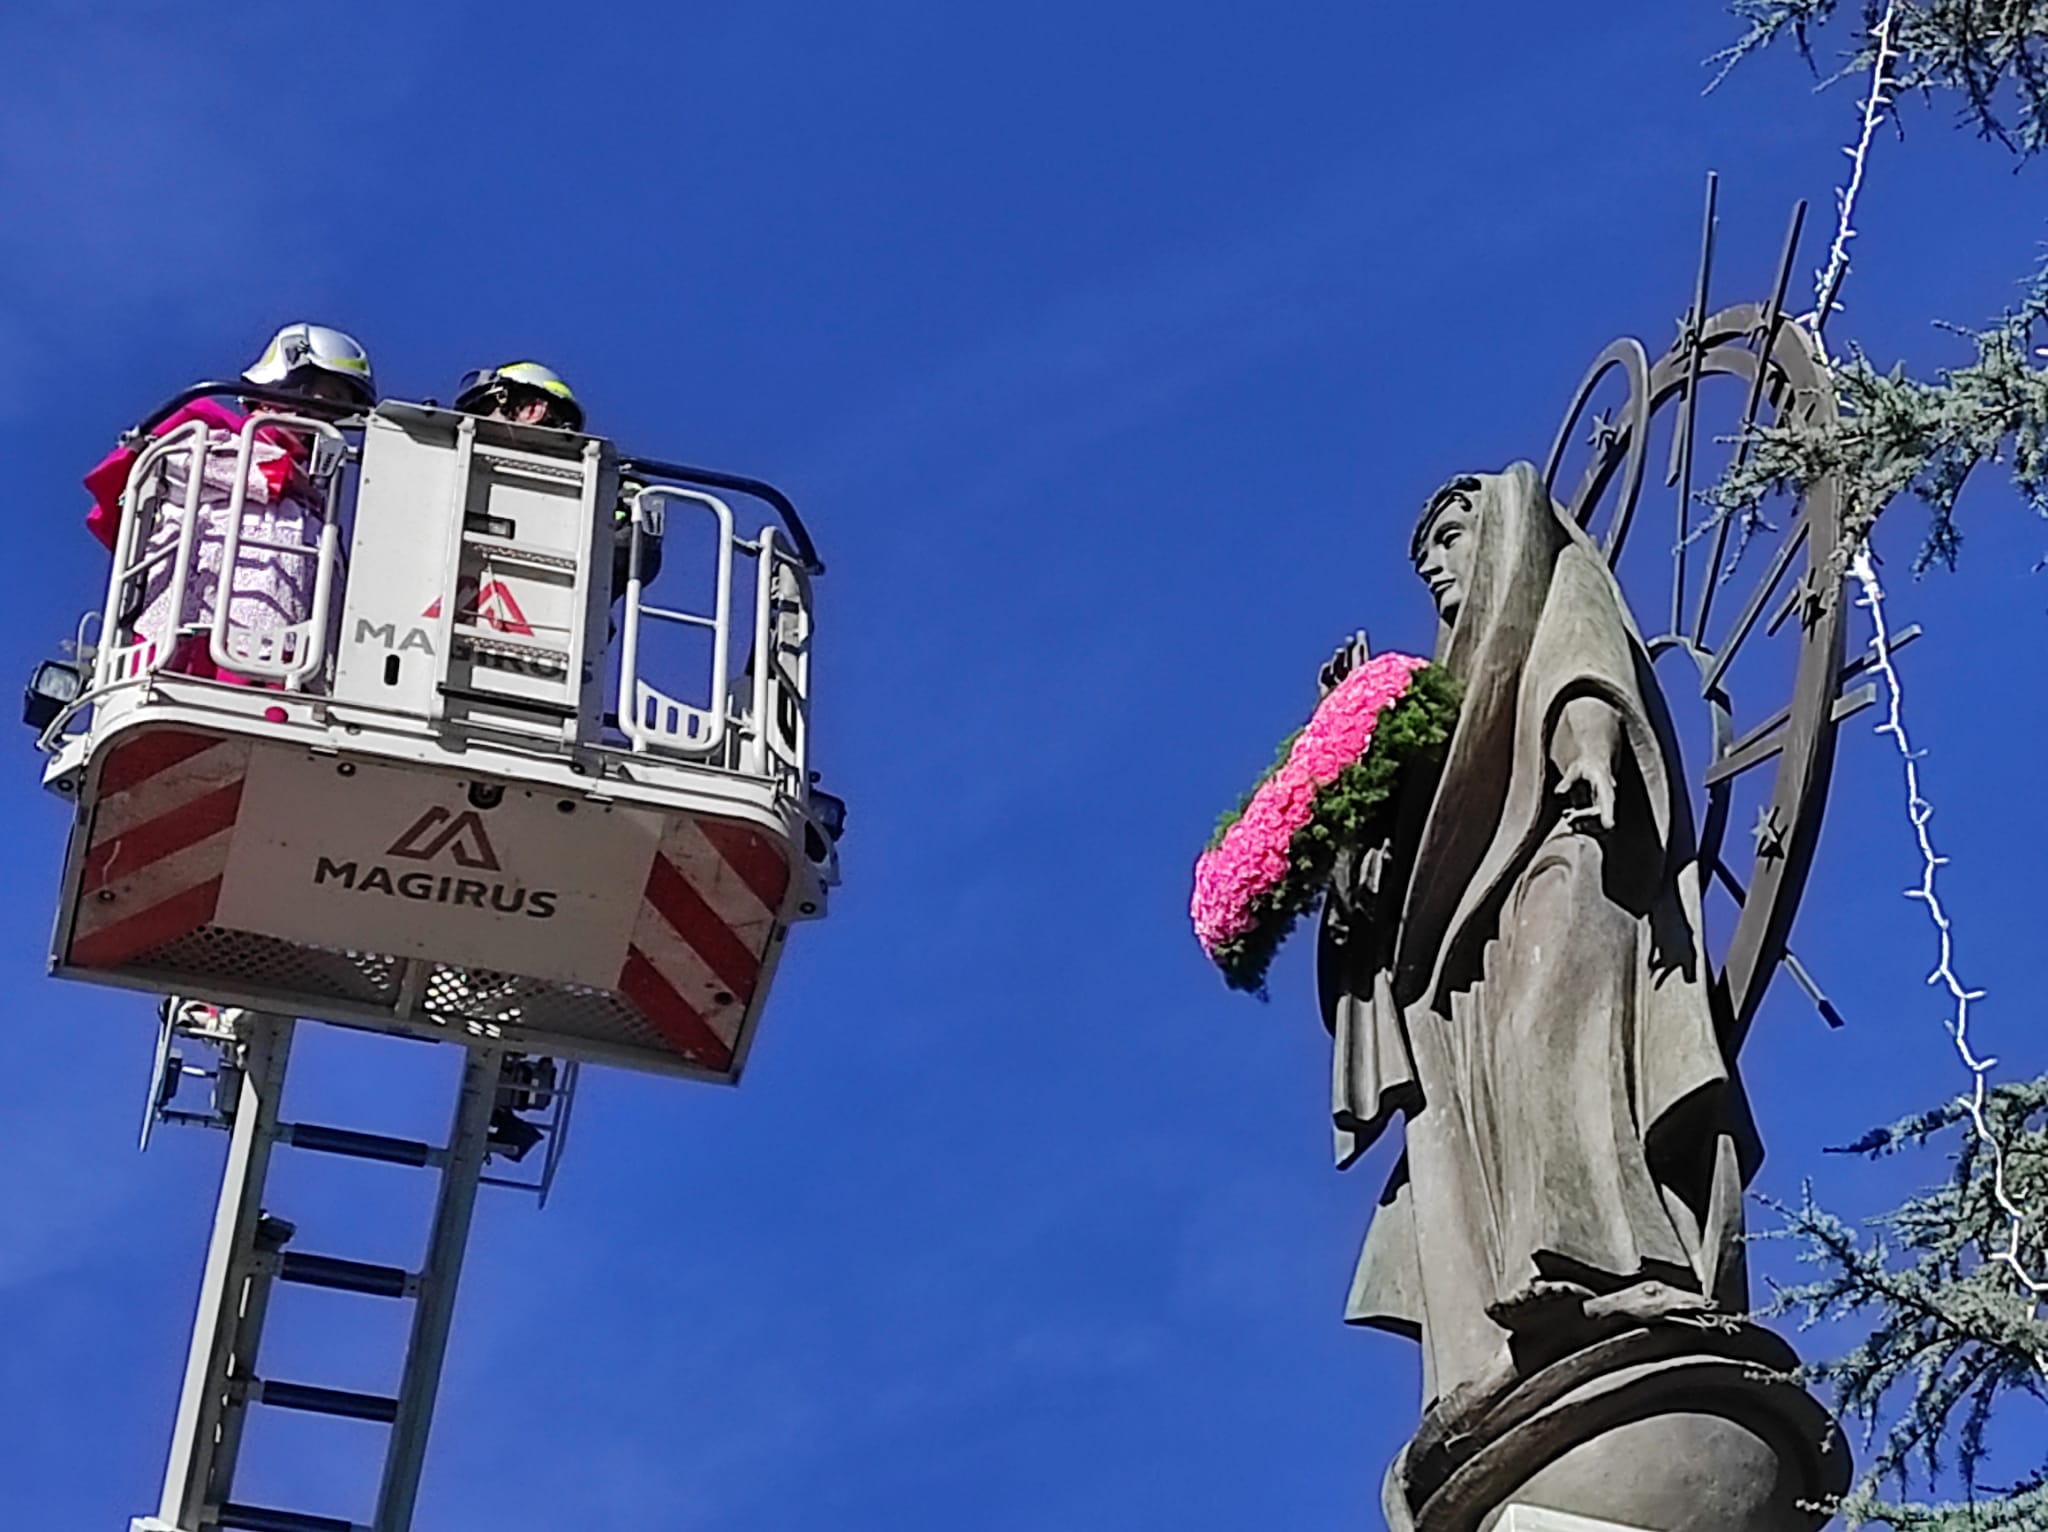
pixel 252 1249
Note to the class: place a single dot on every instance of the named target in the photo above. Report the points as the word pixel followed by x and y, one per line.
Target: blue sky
pixel 1109 350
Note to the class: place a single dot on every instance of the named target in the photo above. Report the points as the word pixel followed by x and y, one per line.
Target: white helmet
pixel 301 346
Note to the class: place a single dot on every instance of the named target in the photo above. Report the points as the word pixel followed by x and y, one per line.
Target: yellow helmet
pixel 480 387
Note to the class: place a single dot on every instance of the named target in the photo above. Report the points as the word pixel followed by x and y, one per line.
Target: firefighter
pixel 271 588
pixel 527 393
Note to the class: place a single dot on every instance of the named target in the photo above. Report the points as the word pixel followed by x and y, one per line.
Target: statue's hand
pixel 1352 653
pixel 1355 874
pixel 1585 747
pixel 1587 788
pixel 1344 876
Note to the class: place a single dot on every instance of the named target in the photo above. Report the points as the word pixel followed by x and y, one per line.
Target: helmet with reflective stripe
pixel 299 348
pixel 478 388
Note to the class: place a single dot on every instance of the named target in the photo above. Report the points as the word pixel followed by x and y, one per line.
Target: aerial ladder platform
pixel 456 799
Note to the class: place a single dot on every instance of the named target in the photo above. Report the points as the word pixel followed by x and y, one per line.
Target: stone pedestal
pixel 1676 1426
pixel 1533 1518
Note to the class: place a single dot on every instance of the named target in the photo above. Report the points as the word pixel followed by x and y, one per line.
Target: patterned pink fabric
pixel 270 591
pixel 1252 857
pixel 109 477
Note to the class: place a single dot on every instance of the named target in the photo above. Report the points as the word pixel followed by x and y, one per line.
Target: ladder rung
pixel 669 614
pixel 361 1146
pixel 257 1518
pixel 498 462
pixel 343 1276
pixel 505 551
pixel 487 639
pixel 507 701
pixel 310 1397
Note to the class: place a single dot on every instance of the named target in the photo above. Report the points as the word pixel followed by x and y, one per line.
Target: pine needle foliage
pixel 1951 1342
pixel 1990 56
pixel 1901 435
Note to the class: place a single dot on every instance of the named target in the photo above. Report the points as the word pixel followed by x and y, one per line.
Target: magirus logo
pixel 442 834
pixel 462 835
pixel 485 604
pixel 489 602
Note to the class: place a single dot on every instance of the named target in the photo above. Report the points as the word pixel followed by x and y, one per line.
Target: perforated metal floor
pixel 217 959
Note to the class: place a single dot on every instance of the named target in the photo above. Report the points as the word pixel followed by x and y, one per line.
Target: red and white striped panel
pixel 164 815
pixel 694 960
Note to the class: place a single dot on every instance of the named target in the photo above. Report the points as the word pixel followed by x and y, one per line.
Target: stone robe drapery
pixel 1532 998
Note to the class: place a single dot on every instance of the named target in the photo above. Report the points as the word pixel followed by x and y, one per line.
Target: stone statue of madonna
pixel 1519 976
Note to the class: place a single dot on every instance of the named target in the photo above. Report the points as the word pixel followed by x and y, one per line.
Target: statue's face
pixel 1445 558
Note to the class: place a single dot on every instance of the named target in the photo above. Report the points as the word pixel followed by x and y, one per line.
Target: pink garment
pixel 192 655
pixel 109 478
pixel 271 591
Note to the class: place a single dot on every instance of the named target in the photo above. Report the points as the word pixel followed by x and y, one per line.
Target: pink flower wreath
pixel 1271 858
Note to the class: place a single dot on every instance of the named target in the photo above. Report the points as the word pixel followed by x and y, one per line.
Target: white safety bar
pixel 293 653
pixel 762 730
pixel 654 721
pixel 120 661
pixel 290 656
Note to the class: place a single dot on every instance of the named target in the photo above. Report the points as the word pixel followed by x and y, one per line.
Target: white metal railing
pixel 123 657
pixel 289 654
pixel 294 652
pixel 654 721
pixel 756 723
pixel 761 729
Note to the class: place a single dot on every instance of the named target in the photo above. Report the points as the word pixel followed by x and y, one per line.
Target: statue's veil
pixel 1521 534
